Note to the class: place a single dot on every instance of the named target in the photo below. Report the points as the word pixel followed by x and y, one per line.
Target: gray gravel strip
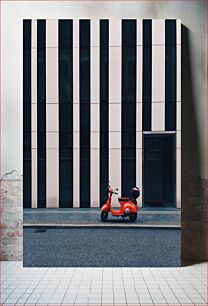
pixel 64 247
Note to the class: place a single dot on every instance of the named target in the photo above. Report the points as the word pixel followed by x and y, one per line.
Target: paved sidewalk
pixel 103 286
pixel 80 217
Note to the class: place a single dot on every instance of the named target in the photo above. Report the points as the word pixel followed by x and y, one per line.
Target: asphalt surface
pixel 156 216
pixel 101 247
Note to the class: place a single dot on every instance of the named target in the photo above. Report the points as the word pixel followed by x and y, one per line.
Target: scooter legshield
pixel 104 207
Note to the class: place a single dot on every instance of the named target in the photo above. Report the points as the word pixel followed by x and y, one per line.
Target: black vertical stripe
pixel 104 108
pixel 84 77
pixel 65 113
pixel 170 75
pixel 41 111
pixel 128 152
pixel 147 75
pixel 27 113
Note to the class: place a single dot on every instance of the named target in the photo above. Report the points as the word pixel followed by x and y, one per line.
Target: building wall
pixel 194 99
pixel 69 111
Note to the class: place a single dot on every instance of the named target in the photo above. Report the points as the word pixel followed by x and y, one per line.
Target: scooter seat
pixel 124 199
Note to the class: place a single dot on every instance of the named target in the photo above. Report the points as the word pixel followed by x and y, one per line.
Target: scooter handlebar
pixel 113 191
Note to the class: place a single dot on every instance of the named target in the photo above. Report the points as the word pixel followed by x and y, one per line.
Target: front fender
pixel 104 207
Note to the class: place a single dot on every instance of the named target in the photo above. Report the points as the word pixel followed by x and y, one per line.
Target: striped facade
pixel 96 95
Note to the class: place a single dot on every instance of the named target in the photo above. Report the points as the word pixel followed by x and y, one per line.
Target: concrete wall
pixel 11 217
pixel 194 100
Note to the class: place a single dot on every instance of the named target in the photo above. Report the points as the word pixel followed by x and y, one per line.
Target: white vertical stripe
pixel 51 33
pixel 115 75
pixel 178 139
pixel 139 110
pixel 139 174
pixel 178 72
pixel 52 178
pixel 114 32
pixel 76 159
pixel 158 116
pixel 94 35
pixel 178 117
pixel 34 178
pixel 139 64
pixel 114 140
pixel 158 32
pixel 95 116
pixel 139 117
pixel 178 31
pixel 139 32
pixel 178 177
pixel 52 117
pixel 34 33
pixel 139 140
pixel 158 75
pixel 34 113
pixel 52 74
pixel 34 140
pixel 115 102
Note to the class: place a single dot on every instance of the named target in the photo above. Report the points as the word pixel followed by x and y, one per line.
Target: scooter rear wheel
pixel 132 217
pixel 104 215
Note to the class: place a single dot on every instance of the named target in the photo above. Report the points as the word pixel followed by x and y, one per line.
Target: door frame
pixel 160 133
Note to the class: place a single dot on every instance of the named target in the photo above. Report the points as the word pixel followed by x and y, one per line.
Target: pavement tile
pixel 81 301
pixel 32 301
pixel 82 295
pixel 10 301
pixel 172 300
pixel 132 300
pixel 184 300
pixel 72 290
pixel 121 294
pixel 53 300
pixel 131 295
pixel 144 296
pixel 119 290
pixel 95 295
pixel 84 290
pixel 145 301
pixel 119 301
pixel 107 290
pixel 192 295
pixel 68 300
pixel 94 302
pixel 107 295
pixel 196 300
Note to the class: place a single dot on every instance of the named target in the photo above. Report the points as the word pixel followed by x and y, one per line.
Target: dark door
pixel 159 172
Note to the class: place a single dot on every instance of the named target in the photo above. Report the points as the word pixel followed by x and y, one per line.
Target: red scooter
pixel 128 206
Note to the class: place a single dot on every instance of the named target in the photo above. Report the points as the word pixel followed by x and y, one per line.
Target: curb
pixel 65 225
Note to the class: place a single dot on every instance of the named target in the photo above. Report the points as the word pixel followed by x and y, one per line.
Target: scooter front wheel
pixel 104 215
pixel 132 217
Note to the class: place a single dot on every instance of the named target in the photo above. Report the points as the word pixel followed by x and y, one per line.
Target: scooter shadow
pixel 116 221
